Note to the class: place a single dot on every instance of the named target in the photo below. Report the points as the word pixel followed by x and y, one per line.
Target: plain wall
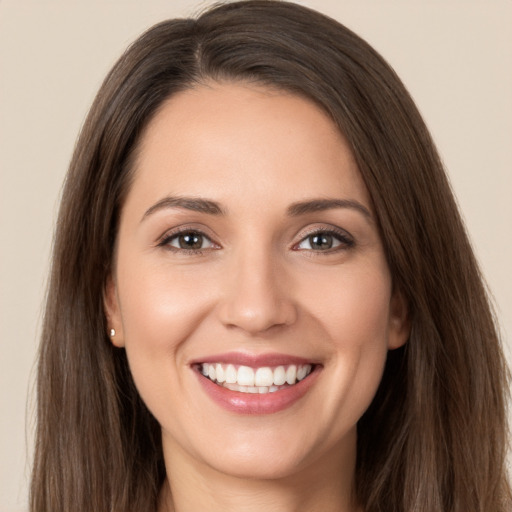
pixel 454 56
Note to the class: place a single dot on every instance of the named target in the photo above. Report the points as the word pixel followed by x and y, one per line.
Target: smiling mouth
pixel 261 380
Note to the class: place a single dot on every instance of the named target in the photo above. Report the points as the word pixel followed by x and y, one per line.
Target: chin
pixel 253 466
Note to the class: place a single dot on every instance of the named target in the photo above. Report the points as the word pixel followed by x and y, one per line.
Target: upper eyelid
pixel 324 229
pixel 186 228
pixel 176 231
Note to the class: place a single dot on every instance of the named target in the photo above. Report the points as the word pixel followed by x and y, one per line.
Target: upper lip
pixel 254 360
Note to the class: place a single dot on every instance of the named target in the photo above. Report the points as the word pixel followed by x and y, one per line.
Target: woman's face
pixel 248 251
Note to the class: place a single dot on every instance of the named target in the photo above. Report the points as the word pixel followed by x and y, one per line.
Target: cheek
pixel 159 307
pixel 159 311
pixel 354 319
pixel 354 307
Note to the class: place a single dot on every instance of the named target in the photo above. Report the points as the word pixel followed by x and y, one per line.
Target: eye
pixel 324 241
pixel 190 240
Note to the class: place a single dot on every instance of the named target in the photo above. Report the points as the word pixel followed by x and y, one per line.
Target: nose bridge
pixel 257 297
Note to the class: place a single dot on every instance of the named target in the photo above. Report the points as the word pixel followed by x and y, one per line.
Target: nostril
pixel 257 316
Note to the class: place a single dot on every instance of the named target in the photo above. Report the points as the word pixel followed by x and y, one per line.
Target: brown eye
pixel 188 241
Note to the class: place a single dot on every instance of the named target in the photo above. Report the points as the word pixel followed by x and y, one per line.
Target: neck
pixel 324 485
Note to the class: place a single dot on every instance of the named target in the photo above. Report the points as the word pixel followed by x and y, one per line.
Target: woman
pixel 262 294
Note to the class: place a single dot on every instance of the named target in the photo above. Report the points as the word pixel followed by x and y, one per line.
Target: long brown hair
pixel 434 438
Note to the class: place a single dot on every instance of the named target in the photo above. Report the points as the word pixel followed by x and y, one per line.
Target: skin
pixel 257 286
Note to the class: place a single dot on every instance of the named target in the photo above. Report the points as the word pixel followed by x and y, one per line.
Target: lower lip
pixel 257 403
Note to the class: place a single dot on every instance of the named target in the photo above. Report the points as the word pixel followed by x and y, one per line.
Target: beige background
pixel 454 56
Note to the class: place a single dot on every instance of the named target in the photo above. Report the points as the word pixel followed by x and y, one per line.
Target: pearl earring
pixel 112 333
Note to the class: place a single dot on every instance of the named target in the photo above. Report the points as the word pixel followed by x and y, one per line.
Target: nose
pixel 258 295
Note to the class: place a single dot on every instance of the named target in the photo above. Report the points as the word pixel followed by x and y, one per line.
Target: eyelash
pixel 344 239
pixel 166 240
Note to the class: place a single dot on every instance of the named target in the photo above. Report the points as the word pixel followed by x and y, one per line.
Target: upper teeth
pixel 263 376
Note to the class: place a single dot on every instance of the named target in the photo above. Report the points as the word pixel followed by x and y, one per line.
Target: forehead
pixel 242 141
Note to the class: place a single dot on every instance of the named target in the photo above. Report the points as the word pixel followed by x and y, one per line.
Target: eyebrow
pixel 294 210
pixel 318 205
pixel 188 203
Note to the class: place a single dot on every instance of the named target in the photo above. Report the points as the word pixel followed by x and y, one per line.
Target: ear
pixel 399 321
pixel 113 313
